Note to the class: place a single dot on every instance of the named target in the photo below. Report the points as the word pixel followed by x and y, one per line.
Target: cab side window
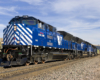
pixel 51 28
pixel 47 27
pixel 41 25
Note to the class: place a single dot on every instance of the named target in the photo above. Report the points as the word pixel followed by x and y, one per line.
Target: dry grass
pixel 1 39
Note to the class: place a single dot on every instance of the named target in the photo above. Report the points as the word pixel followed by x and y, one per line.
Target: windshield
pixel 29 22
pixel 23 20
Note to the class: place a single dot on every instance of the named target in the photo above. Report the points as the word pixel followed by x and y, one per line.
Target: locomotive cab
pixel 22 30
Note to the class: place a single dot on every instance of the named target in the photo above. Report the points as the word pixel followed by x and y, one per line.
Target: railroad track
pixel 16 71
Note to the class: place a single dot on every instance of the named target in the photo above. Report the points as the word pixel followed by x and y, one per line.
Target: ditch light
pixel 15 27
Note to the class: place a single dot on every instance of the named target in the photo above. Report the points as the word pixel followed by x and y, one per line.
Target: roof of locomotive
pixel 22 17
pixel 79 40
pixel 67 36
pixel 29 17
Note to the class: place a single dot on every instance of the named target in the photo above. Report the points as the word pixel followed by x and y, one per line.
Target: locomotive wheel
pixel 65 59
pixel 81 55
pixel 95 54
pixel 72 56
pixel 69 57
pixel 27 64
pixel 88 55
pixel 91 55
pixel 43 62
pixel 35 62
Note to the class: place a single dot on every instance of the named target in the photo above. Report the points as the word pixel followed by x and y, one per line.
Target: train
pixel 28 40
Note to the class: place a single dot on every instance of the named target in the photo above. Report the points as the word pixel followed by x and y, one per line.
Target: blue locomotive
pixel 30 40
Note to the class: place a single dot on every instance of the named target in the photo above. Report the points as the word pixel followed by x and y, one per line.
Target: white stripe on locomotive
pixel 9 31
pixel 11 39
pixel 16 37
pixel 24 30
pixel 29 30
pixel 20 40
pixel 25 40
pixel 5 30
pixel 10 36
pixel 4 34
pixel 25 35
pixel 9 26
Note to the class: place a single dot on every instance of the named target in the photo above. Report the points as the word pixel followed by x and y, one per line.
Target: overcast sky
pixel 78 17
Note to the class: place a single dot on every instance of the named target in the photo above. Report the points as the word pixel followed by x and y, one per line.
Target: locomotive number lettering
pixel 50 44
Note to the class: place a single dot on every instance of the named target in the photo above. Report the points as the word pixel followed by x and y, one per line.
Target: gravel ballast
pixel 88 69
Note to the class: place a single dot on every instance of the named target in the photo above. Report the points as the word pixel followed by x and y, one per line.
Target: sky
pixel 78 17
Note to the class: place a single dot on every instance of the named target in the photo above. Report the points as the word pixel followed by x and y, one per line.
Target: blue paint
pixel 43 36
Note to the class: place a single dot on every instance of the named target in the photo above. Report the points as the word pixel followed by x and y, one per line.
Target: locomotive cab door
pixel 41 34
pixel 49 36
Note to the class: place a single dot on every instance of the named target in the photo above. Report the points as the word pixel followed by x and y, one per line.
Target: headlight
pixel 15 28
pixel 18 42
